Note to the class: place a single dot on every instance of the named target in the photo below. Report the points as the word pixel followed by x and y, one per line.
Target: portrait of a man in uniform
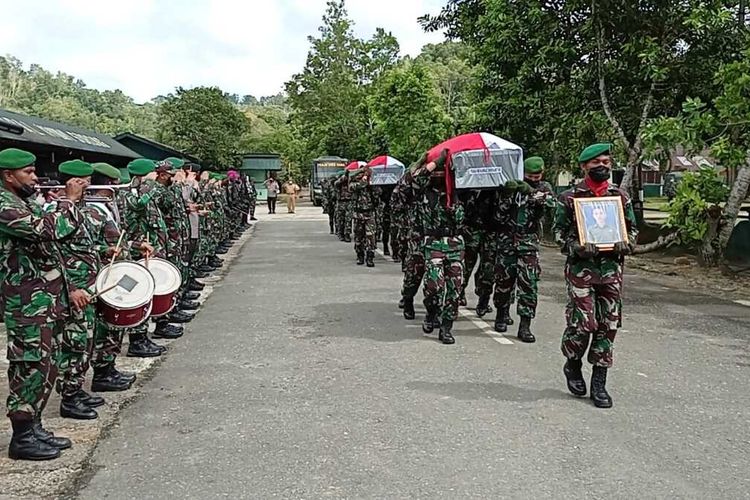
pixel 600 221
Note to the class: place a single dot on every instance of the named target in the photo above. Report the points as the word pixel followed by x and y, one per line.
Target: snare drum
pixel 129 303
pixel 168 281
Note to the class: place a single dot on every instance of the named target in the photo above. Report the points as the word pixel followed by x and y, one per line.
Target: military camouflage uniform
pixel 480 241
pixel 383 198
pixel 107 340
pixel 81 256
pixel 34 297
pixel 363 210
pixel 594 284
pixel 343 208
pixel 143 220
pixel 396 219
pixel 412 236
pixel 443 245
pixel 329 202
pixel 518 262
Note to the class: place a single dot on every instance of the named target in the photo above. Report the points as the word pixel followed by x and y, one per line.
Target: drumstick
pixel 147 254
pixel 114 255
pixel 97 294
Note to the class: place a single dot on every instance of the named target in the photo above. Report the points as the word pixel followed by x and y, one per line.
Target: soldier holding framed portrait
pixel 595 227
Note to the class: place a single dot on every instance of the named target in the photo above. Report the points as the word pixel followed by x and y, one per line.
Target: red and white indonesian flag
pixel 355 165
pixel 480 160
pixel 386 170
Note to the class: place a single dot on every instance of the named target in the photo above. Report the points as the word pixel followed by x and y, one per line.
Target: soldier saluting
pixel 594 279
pixel 35 299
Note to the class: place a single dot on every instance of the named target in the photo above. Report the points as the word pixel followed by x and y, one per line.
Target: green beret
pixel 107 170
pixel 124 176
pixel 141 166
pixel 533 165
pixel 593 151
pixel 174 162
pixel 13 159
pixel 76 168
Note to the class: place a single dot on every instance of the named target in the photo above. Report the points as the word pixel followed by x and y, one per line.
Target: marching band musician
pixel 35 299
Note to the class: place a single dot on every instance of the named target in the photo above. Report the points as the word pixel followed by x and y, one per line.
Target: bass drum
pixel 128 304
pixel 168 280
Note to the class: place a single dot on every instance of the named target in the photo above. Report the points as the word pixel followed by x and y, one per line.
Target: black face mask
pixel 534 184
pixel 26 191
pixel 599 174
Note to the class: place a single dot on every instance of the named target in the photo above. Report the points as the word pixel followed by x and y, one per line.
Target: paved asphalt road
pixel 299 379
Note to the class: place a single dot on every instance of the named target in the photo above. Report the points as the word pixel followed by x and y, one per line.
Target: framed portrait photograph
pixel 601 221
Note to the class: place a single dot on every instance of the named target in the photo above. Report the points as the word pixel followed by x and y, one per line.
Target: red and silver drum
pixel 128 289
pixel 168 281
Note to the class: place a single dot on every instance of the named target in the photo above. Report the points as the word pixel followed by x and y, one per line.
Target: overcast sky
pixel 148 47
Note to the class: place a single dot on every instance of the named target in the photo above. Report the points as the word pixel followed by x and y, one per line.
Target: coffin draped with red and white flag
pixel 355 165
pixel 481 160
pixel 386 170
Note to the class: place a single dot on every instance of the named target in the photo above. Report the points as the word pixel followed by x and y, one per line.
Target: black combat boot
pixel 574 377
pixel 195 285
pixel 360 258
pixel 216 262
pixel 370 259
pixel 161 348
pixel 395 257
pixel 431 320
pixel 191 295
pixel 126 376
pixel 166 331
pixel 180 317
pixel 401 303
pixel 141 347
pixel 200 274
pixel 347 238
pixel 501 319
pixel 524 331
pixel 222 250
pixel 89 399
pixel 205 268
pixel 24 445
pixel 189 305
pixel 483 305
pixel 599 394
pixel 409 308
pixel 74 407
pixel 45 436
pixel 106 380
pixel 446 332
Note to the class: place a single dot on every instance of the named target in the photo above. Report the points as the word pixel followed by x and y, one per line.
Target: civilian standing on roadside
pixel 291 189
pixel 272 188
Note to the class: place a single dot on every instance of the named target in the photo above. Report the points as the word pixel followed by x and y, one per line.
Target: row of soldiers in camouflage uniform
pixel 440 239
pixel 52 253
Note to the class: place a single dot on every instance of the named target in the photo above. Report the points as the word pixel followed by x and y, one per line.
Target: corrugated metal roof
pixel 36 130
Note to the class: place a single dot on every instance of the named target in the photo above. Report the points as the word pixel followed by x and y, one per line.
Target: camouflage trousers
pixel 33 356
pixel 344 218
pixel 413 267
pixel 107 345
pixel 593 313
pixel 75 351
pixel 480 246
pixel 444 275
pixel 364 233
pixel 394 239
pixel 517 273
pixel 385 232
pixel 330 209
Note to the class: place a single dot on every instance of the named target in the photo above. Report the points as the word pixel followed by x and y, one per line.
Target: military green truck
pixel 322 168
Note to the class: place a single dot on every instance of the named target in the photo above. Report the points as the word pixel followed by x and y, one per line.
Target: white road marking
pixel 485 327
pixel 743 302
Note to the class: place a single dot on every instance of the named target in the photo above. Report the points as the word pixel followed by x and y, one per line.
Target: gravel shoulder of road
pixel 56 478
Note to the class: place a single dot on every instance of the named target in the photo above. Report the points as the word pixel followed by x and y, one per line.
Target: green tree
pixel 202 122
pixel 408 112
pixel 329 97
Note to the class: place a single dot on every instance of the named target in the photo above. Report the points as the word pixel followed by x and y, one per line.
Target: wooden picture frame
pixel 594 220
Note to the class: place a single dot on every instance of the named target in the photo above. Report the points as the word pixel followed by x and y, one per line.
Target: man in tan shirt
pixel 291 189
